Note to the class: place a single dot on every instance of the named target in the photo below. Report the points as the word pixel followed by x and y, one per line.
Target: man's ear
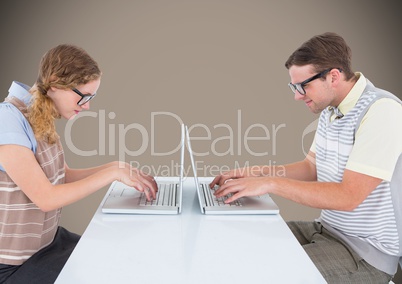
pixel 336 76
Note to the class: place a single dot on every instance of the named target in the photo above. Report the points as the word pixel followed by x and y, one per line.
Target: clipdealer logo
pixel 238 140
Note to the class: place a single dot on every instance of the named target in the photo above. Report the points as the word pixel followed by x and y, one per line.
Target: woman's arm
pixel 22 167
pixel 73 175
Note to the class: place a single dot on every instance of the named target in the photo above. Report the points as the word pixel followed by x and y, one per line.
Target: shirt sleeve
pixel 14 128
pixel 378 141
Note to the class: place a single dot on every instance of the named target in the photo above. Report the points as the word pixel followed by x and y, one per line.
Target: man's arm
pixel 346 195
pixel 303 170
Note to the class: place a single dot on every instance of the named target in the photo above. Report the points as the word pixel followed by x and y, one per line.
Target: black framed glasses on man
pixel 300 86
pixel 84 98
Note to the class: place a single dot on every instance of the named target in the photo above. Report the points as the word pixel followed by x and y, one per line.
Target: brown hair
pixel 328 50
pixel 64 66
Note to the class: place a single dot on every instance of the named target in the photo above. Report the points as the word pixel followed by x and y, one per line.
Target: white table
pixel 188 248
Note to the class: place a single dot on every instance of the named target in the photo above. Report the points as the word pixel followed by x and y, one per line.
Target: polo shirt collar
pixel 20 91
pixel 353 96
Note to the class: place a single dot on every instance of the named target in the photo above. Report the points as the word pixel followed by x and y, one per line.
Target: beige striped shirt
pixel 24 228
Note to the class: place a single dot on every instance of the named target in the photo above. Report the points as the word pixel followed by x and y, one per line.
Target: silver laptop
pixel 123 199
pixel 210 204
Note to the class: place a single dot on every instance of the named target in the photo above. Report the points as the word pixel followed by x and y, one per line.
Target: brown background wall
pixel 216 65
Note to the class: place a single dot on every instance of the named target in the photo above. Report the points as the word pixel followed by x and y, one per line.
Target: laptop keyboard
pixel 212 200
pixel 166 196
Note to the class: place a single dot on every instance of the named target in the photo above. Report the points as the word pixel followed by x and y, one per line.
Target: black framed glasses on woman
pixel 84 98
pixel 300 86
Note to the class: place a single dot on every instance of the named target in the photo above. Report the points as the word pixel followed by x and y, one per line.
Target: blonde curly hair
pixel 64 67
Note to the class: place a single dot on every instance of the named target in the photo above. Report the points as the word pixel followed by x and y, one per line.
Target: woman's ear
pixel 52 79
pixel 51 91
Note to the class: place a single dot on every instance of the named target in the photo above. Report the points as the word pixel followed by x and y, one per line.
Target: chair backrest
pixel 396 181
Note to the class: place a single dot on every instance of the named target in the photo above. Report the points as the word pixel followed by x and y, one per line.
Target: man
pixel 353 171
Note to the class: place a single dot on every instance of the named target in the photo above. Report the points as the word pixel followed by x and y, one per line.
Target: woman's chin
pixel 73 116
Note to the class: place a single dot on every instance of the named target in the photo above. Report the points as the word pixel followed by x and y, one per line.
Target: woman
pixel 35 181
